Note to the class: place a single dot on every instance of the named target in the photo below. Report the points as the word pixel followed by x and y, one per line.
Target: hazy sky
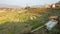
pixel 27 2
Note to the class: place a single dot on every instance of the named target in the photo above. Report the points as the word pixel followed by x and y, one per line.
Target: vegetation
pixel 14 22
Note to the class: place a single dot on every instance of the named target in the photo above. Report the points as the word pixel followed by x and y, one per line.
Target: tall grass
pixel 14 22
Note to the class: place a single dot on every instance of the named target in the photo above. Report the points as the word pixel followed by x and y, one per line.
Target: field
pixel 19 22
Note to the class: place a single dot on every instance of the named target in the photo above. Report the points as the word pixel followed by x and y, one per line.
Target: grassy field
pixel 14 22
pixel 51 12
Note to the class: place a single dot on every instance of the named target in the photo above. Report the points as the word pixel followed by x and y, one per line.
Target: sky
pixel 27 2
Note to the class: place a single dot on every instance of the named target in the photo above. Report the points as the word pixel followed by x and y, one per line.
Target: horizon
pixel 23 3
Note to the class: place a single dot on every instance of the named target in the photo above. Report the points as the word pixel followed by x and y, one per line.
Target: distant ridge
pixel 15 6
pixel 36 6
pixel 8 6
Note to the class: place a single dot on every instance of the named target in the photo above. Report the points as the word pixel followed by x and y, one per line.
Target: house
pixel 58 4
pixel 47 6
pixel 53 6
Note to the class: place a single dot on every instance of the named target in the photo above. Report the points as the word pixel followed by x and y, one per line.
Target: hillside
pixel 15 22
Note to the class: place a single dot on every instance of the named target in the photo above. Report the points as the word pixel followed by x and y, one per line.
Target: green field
pixel 13 22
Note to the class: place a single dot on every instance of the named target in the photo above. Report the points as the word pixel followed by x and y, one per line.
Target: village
pixel 44 6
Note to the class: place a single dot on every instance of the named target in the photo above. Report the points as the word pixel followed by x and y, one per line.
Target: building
pixel 53 6
pixel 47 6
